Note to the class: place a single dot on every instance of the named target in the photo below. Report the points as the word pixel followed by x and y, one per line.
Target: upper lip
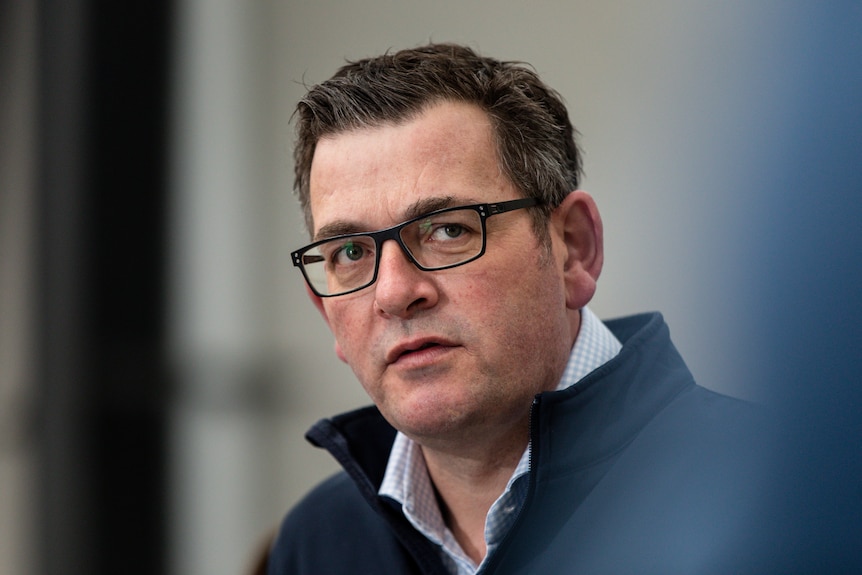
pixel 414 344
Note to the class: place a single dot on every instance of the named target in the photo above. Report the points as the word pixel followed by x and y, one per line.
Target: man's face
pixel 451 354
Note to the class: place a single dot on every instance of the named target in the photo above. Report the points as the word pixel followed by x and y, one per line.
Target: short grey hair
pixel 534 137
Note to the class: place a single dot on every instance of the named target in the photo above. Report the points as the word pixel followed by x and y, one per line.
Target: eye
pixel 348 253
pixel 447 234
pixel 351 251
pixel 443 231
pixel 448 231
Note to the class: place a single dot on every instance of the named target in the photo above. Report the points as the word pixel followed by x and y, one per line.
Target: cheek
pixel 530 307
pixel 514 308
pixel 533 284
pixel 349 330
pixel 353 346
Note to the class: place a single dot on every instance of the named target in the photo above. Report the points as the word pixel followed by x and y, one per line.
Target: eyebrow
pixel 414 210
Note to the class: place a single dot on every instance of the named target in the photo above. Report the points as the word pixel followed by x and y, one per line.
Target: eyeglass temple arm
pixel 311 259
pixel 501 207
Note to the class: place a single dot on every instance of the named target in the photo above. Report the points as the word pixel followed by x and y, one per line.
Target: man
pixel 453 256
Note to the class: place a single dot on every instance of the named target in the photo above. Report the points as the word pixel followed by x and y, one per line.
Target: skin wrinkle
pixel 415 210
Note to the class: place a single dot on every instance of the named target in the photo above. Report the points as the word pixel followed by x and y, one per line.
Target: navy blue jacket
pixel 635 469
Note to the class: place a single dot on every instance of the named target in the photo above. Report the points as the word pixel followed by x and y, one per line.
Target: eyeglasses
pixel 438 240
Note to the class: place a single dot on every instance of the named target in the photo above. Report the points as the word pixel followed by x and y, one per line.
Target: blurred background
pixel 159 360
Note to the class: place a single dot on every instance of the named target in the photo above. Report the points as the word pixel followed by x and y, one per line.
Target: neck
pixel 470 475
pixel 467 486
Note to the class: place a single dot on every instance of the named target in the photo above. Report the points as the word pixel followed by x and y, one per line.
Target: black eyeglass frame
pixel 485 211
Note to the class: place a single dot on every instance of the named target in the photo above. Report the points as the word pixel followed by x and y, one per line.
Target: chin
pixel 427 422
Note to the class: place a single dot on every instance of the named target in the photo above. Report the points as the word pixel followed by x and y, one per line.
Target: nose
pixel 402 289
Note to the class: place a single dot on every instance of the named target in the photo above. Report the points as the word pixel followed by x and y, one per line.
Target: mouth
pixel 417 348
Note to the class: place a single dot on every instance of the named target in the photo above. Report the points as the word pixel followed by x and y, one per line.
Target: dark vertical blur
pixel 807 284
pixel 103 91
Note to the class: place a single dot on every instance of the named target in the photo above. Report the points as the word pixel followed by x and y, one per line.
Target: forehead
pixel 371 177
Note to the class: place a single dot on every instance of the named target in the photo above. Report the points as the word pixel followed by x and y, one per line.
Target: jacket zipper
pixel 491 566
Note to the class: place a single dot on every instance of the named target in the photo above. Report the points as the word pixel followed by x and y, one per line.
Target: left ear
pixel 577 225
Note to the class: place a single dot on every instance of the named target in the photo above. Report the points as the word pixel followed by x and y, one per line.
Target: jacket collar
pixel 609 407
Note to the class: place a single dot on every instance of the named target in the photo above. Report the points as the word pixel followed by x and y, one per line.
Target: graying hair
pixel 534 137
